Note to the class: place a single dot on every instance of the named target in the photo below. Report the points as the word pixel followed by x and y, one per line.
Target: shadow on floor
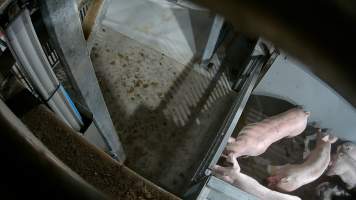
pixel 166 144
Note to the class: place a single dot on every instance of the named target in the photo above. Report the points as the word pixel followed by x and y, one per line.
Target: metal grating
pixel 196 91
pixel 51 54
pixel 83 8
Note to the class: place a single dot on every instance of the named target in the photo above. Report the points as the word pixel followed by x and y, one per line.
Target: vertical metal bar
pixel 236 111
pixel 227 128
pixel 213 38
pixel 64 26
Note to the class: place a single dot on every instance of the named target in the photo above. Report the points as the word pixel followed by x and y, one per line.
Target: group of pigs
pixel 254 139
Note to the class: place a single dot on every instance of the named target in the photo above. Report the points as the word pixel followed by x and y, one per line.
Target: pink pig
pixel 343 164
pixel 255 138
pixel 248 184
pixel 290 177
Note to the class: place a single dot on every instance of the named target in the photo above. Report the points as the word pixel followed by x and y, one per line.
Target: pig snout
pixel 342 159
pixel 344 165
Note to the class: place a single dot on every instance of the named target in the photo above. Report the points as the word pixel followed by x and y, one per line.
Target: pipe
pixel 29 54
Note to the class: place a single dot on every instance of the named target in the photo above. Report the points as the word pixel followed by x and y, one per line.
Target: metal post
pixel 61 18
pixel 212 39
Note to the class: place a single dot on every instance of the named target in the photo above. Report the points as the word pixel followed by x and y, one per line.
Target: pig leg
pixel 248 184
pixel 222 173
pixel 276 175
pixel 306 144
pixel 237 148
pixel 227 174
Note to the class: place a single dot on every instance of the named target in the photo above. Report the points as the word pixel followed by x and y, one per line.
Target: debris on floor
pixel 94 166
pixel 166 113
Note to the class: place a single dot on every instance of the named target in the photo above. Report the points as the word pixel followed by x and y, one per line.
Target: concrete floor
pixel 177 31
pixel 165 113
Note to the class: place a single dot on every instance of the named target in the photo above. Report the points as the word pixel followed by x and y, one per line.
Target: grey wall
pixel 290 80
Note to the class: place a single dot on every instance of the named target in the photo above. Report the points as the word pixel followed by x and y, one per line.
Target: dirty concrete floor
pixel 287 150
pixel 94 166
pixel 165 113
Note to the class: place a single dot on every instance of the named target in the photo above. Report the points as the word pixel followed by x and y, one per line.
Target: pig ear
pixel 235 165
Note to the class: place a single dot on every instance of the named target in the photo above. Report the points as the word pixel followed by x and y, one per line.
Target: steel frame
pixel 62 20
